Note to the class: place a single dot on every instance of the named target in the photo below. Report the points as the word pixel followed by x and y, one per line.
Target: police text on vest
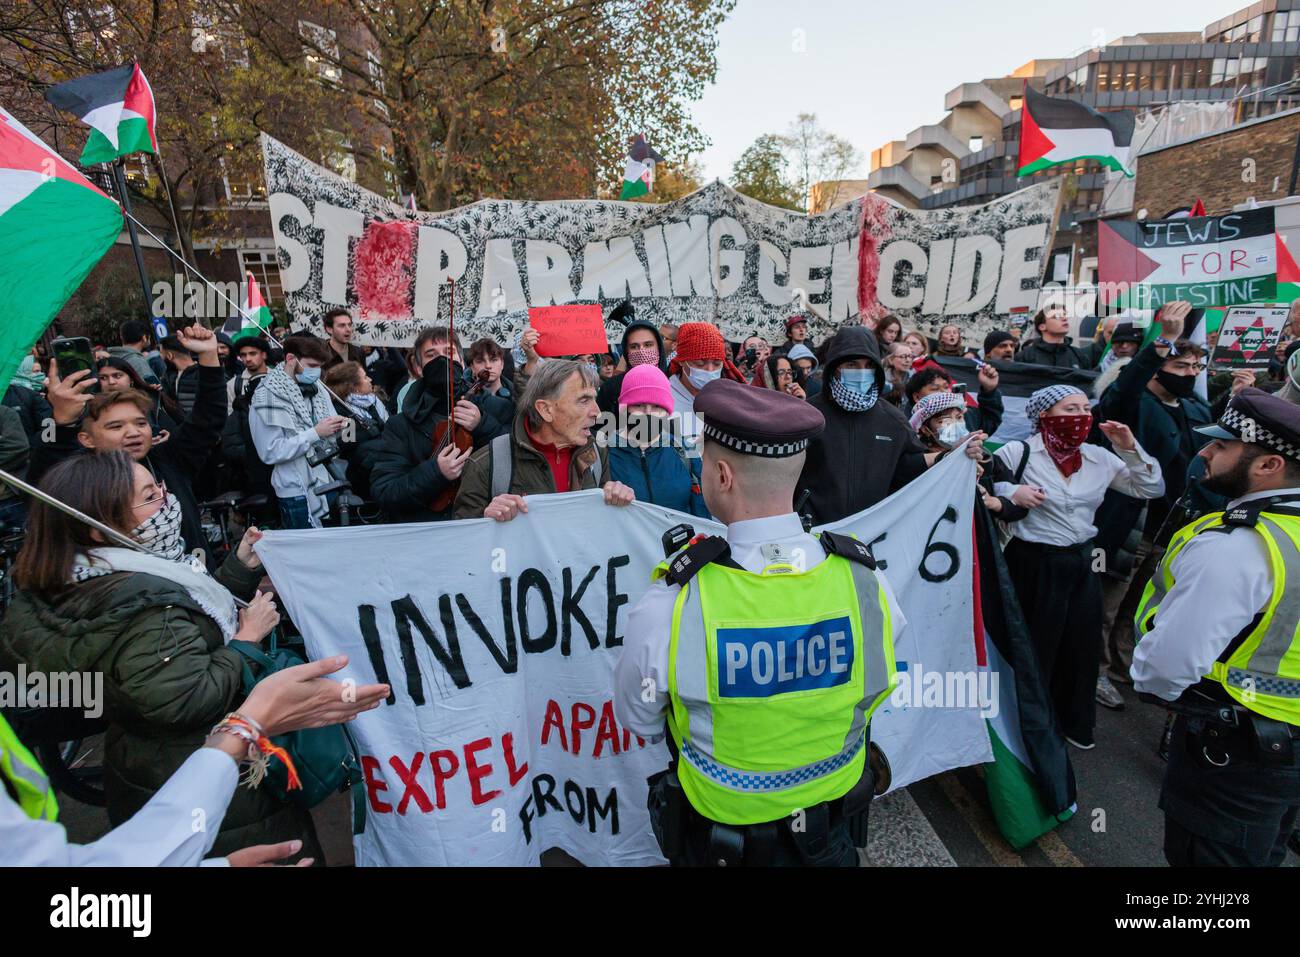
pixel 761 662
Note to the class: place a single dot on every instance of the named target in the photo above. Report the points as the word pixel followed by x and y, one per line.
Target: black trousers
pixel 1060 596
pixel 1236 815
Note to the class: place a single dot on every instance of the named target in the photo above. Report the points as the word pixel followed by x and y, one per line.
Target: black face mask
pixel 1179 386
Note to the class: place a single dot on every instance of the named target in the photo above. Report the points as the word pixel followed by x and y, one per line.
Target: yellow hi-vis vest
pixel 773 680
pixel 21 769
pixel 1260 669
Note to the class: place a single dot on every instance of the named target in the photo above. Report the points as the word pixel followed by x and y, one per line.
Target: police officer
pixel 766 652
pixel 1218 637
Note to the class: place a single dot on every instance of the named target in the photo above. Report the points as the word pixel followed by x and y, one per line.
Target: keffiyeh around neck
pixel 851 401
pixel 209 594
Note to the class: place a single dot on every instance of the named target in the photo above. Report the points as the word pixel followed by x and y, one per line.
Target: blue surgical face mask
pixel 702 377
pixel 858 380
pixel 307 375
pixel 953 433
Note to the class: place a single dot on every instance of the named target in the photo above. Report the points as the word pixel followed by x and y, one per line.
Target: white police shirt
pixel 1221 582
pixel 160 834
pixel 642 671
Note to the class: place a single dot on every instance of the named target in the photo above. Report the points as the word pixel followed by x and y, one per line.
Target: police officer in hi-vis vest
pixel 766 652
pixel 1219 636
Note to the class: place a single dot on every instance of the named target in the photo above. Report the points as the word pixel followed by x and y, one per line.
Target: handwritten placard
pixel 569 330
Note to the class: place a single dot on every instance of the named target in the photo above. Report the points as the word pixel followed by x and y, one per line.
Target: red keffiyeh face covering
pixel 1062 436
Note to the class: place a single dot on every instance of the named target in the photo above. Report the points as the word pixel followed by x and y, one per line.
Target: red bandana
pixel 1062 436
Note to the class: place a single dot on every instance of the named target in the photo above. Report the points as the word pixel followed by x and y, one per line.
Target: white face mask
pixel 702 377
pixel 952 433
pixel 160 533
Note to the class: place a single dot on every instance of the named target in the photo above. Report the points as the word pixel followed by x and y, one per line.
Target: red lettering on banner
pixel 370 767
pixel 576 728
pixel 1236 257
pixel 441 775
pixel 477 772
pixel 554 717
pixel 411 785
pixel 608 731
pixel 516 774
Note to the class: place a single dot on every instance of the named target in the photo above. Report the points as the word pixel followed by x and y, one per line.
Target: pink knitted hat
pixel 646 384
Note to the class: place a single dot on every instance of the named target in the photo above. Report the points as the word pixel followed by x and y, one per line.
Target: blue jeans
pixel 294 512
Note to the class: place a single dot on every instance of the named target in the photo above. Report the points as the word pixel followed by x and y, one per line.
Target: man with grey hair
pixel 550 448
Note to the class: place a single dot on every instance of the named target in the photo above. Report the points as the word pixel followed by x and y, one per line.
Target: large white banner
pixel 500 641
pixel 713 256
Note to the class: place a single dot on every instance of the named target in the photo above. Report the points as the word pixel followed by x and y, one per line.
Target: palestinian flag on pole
pixel 55 225
pixel 255 318
pixel 1054 131
pixel 639 174
pixel 1030 780
pixel 117 106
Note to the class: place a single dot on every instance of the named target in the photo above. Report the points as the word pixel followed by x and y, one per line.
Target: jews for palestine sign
pixel 1206 260
pixel 714 256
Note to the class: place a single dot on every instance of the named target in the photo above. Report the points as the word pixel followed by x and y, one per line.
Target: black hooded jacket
pixel 404 476
pixel 860 457
pixel 607 396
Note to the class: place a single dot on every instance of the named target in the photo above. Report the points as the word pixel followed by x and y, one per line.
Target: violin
pixel 448 432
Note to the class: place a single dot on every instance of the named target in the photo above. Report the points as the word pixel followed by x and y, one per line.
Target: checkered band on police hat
pixel 768 450
pixel 1249 429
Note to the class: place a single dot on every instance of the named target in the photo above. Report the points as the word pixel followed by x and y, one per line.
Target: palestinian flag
pixel 639 174
pixel 1017 381
pixel 1228 260
pixel 254 319
pixel 117 106
pixel 1054 131
pixel 55 225
pixel 1030 781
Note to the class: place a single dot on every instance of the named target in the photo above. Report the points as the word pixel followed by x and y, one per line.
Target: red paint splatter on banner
pixel 875 227
pixel 384 272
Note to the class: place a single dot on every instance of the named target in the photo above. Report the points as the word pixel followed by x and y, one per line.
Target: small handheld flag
pixel 118 107
pixel 255 318
pixel 639 173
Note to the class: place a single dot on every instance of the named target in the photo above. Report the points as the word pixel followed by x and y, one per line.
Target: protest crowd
pixel 195 444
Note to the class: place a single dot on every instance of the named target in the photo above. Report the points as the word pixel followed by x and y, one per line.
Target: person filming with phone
pixel 88 419
pixel 296 430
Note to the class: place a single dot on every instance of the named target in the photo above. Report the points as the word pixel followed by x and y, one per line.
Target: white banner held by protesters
pixel 500 642
pixel 713 256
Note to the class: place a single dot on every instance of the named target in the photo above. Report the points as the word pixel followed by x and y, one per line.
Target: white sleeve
pixel 642 669
pixel 1221 581
pixel 1140 475
pixel 175 829
pixel 276 445
pixel 896 616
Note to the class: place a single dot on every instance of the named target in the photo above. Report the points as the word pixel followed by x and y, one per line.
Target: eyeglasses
pixel 160 496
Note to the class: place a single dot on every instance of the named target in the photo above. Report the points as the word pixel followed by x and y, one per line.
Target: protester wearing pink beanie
pixel 646 385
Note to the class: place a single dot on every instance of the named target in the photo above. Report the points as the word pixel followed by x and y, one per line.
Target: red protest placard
pixel 569 330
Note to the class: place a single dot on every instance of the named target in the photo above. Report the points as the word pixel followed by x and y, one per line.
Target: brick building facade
pixel 1222 169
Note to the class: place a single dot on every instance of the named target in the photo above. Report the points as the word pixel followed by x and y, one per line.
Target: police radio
pixel 675 538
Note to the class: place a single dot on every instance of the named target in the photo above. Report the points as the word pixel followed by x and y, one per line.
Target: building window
pixel 265 269
pixel 338 155
pixel 975 144
pixel 94 28
pixel 210 33
pixel 1286 26
pixel 321 51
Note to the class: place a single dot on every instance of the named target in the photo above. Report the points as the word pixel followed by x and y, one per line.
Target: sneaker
pixel 1082 746
pixel 1107 695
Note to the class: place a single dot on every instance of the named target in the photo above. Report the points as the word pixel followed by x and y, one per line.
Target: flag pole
pixel 167 188
pixel 108 532
pixel 119 180
pixel 238 308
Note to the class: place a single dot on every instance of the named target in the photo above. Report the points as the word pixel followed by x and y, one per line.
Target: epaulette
pixel 702 550
pixel 846 546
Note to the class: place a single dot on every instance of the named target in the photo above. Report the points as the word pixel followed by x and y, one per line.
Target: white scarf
pixel 280 402
pixel 209 594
